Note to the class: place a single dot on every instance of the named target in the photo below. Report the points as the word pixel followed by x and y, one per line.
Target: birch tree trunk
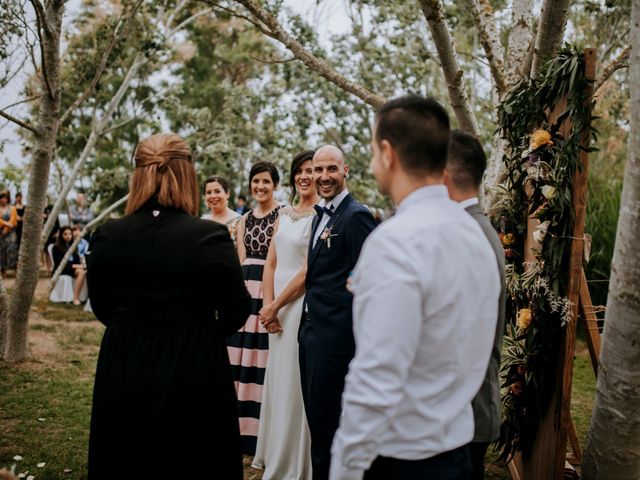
pixel 16 348
pixel 613 441
pixel 553 19
pixel 453 74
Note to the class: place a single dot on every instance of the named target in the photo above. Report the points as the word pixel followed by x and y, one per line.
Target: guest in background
pixel 283 437
pixel 20 212
pixel 241 205
pixel 169 288
pixel 463 176
pixel 80 213
pixel 249 347
pixel 74 267
pixel 216 196
pixel 8 241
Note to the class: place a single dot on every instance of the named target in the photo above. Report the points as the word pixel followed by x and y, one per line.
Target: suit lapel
pixel 334 219
pixel 314 226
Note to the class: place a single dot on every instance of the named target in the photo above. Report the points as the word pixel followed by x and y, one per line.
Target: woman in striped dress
pixel 249 347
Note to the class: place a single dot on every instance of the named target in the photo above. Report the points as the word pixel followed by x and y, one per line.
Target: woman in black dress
pixel 169 288
pixel 74 267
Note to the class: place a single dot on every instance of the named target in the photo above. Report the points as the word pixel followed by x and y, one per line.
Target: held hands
pixel 268 316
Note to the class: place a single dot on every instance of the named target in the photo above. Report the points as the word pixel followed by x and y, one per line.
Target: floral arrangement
pixel 540 167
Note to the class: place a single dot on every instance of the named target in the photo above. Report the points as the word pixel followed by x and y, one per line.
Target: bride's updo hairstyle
pixel 164 170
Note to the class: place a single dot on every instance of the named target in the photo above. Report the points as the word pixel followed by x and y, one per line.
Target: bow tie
pixel 323 210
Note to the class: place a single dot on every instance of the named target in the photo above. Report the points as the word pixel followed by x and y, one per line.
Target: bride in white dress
pixel 284 444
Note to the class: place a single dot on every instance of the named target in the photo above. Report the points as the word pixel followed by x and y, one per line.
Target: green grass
pixel 56 385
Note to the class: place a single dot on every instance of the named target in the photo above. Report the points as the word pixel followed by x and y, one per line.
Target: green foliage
pixel 540 169
pixel 12 177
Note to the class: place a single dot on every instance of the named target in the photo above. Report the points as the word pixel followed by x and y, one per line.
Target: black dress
pixel 169 288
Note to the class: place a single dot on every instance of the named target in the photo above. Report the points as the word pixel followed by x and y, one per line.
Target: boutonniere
pixel 326 235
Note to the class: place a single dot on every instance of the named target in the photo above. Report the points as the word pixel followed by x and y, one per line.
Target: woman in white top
pixel 284 444
pixel 216 196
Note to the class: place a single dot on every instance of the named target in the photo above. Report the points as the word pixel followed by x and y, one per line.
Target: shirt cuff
pixel 339 471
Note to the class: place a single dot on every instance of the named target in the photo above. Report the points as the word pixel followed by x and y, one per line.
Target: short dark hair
pixel 215 178
pixel 297 161
pixel 467 161
pixel 418 129
pixel 263 166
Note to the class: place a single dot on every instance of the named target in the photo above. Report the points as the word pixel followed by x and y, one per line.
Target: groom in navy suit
pixel 326 331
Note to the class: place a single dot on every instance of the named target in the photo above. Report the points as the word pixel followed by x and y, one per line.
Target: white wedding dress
pixel 284 444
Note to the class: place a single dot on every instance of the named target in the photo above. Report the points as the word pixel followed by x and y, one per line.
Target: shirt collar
pixel 468 202
pixel 335 201
pixel 429 192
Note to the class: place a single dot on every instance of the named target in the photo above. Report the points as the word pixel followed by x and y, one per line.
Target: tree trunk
pixel 453 74
pixel 16 347
pixel 553 19
pixel 613 442
pixel 484 19
pixel 519 41
pixel 4 310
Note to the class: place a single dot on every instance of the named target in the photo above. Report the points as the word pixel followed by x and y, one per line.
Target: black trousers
pixel 322 377
pixel 451 465
pixel 477 450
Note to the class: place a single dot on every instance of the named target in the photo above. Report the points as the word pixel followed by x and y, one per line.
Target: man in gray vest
pixel 465 166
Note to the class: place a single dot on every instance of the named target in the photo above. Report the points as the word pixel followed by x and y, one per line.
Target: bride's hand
pixel 273 326
pixel 268 314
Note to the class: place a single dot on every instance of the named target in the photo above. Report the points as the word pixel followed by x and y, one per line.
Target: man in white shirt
pixel 426 293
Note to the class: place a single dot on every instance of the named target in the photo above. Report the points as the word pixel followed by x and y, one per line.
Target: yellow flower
pixel 539 138
pixel 548 191
pixel 524 318
pixel 506 239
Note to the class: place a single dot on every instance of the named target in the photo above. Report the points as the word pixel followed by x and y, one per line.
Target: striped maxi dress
pixel 249 346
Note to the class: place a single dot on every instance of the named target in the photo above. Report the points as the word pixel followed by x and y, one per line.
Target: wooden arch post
pixel 548 457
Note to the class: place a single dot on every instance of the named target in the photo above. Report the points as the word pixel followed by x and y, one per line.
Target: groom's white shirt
pixel 332 205
pixel 426 293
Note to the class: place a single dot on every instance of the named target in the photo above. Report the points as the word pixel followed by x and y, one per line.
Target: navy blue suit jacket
pixel 329 264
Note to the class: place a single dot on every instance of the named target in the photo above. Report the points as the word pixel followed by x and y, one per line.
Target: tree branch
pixel 186 22
pixel 483 17
pixel 272 62
pixel 36 97
pixel 553 19
pixel 115 37
pixel 519 47
pixel 616 64
pixel 41 21
pixel 76 241
pixel 19 122
pixel 233 13
pixel 320 66
pixel 453 74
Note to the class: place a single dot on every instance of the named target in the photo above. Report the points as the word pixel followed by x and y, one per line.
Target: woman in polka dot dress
pixel 249 346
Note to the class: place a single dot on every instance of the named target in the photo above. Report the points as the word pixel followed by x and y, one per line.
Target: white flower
pixel 41 464
pixel 541 231
pixel 548 191
pixel 17 458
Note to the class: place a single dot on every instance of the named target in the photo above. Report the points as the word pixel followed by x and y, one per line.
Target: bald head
pixel 329 151
pixel 329 171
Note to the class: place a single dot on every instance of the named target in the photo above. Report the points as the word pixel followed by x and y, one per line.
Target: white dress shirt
pixel 469 201
pixel 426 293
pixel 331 205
